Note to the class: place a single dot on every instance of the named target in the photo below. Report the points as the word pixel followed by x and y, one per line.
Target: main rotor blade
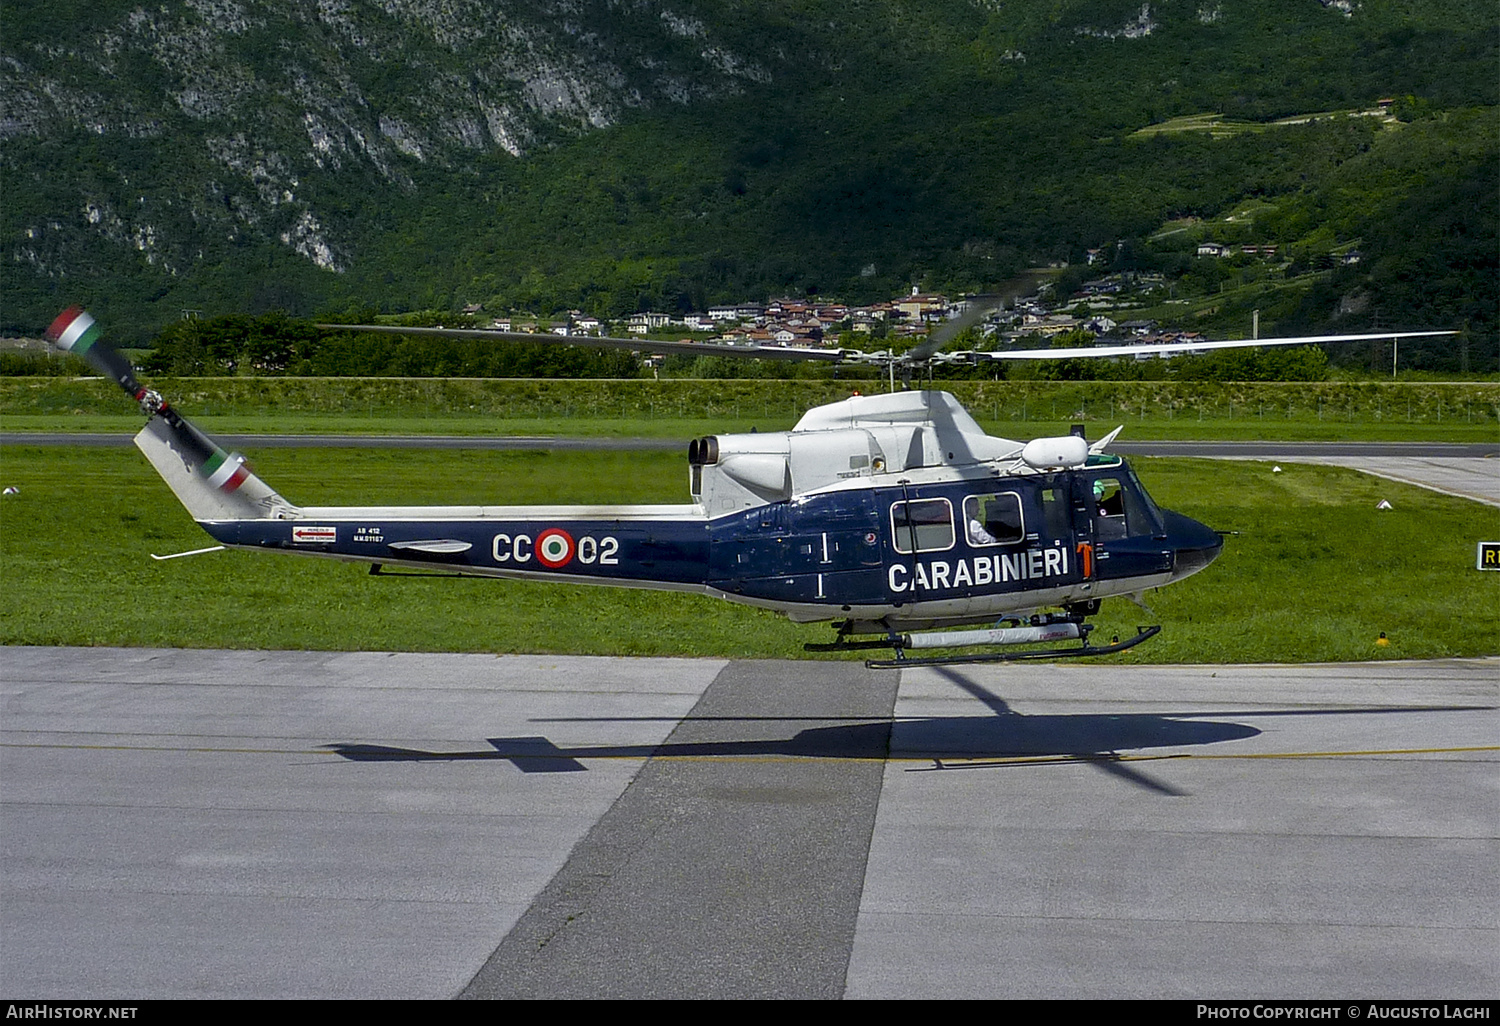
pixel 946 332
pixel 644 345
pixel 921 355
pixel 1084 352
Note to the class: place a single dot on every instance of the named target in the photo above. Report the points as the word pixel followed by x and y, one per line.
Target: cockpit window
pixel 922 525
pixel 1121 508
pixel 1109 498
pixel 1109 508
pixel 994 519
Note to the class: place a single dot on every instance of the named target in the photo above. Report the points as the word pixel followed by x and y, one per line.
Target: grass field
pixel 682 429
pixel 682 409
pixel 1314 572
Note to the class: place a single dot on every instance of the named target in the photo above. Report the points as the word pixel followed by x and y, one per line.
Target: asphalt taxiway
pixel 250 824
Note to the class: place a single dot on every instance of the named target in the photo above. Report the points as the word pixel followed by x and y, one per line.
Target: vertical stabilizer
pixel 211 483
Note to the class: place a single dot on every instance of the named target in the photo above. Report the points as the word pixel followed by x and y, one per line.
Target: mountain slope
pixel 218 155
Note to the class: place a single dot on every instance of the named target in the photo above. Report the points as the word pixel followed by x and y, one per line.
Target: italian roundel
pixel 554 547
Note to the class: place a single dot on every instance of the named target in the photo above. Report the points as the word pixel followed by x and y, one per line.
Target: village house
pixel 784 309
pixel 640 323
pixel 1055 324
pixel 922 308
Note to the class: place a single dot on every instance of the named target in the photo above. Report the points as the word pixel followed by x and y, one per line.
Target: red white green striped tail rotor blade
pixel 222 469
pixel 226 471
pixel 75 331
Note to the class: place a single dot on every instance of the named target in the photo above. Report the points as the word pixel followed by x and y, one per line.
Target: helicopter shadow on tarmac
pixel 1006 738
pixel 1009 738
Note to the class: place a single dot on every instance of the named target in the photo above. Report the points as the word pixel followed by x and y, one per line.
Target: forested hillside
pixel 225 156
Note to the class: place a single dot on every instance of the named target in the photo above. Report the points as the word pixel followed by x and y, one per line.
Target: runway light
pixel 1382 640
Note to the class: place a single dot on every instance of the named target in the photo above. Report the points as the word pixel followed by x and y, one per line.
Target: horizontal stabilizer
pixel 191 552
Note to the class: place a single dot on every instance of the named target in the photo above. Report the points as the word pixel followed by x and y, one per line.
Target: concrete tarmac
pixel 182 823
pixel 1187 832
pixel 250 824
pixel 1466 478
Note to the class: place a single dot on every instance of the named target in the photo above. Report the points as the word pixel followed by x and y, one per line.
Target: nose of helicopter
pixel 1194 545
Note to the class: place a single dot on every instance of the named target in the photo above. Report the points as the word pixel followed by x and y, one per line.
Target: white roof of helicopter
pixel 939 409
pixel 958 436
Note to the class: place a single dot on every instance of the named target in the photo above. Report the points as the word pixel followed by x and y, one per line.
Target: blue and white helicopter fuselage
pixel 884 513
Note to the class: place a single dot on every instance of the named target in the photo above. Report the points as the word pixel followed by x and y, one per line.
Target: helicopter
pixel 896 516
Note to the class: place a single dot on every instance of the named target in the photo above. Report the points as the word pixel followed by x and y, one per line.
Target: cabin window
pixel 994 519
pixel 922 525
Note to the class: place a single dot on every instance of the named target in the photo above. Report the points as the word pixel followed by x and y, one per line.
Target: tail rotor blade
pixel 232 489
pixel 75 331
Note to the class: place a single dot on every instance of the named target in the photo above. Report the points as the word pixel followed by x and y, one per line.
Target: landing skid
pixel 1043 629
pixel 1142 633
